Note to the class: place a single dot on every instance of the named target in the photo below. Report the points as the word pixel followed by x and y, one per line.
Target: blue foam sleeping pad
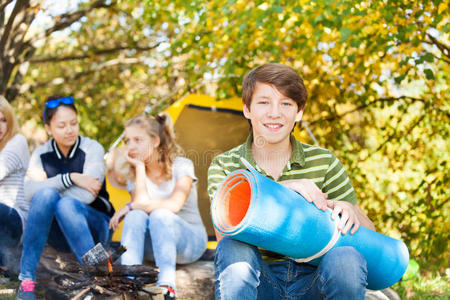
pixel 283 221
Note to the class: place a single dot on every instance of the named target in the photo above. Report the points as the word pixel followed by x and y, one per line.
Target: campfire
pixel 62 278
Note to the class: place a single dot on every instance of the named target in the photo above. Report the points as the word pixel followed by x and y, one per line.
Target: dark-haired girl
pixel 162 222
pixel 70 207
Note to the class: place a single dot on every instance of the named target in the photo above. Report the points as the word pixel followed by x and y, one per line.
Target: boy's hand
pixel 348 215
pixel 308 189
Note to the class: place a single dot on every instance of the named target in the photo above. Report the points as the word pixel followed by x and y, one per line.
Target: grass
pixel 12 284
pixel 424 287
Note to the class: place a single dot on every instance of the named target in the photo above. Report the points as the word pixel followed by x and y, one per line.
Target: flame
pixel 110 268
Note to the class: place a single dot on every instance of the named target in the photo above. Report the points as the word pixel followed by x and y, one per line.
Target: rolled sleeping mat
pixel 254 209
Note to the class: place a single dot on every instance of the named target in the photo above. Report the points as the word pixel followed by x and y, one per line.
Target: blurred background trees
pixel 376 74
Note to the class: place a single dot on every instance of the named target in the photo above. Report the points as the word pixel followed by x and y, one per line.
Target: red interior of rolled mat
pixel 235 205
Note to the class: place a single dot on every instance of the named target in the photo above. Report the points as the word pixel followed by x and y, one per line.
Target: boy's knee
pixel 345 266
pixel 231 251
pixel 343 257
pixel 236 263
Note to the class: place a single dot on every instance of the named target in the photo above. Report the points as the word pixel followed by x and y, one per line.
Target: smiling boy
pixel 274 99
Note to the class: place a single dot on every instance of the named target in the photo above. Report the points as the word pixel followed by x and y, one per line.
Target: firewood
pixel 116 254
pixel 80 294
pixel 135 271
pixel 103 291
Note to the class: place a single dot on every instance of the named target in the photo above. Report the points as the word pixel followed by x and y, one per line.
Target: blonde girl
pixel 162 222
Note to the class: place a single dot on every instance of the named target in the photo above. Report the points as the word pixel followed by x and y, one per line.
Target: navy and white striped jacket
pixel 86 156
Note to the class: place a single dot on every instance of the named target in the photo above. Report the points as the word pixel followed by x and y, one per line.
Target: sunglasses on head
pixel 54 103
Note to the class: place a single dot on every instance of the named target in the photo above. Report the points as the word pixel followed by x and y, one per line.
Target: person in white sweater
pixel 14 158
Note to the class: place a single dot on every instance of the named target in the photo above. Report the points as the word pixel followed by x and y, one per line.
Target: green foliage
pixel 424 287
pixel 376 74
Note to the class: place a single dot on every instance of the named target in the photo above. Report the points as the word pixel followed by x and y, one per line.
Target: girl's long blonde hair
pixel 11 121
pixel 160 126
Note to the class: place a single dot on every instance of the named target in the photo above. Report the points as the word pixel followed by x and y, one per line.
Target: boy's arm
pixel 342 198
pixel 363 218
pixel 350 214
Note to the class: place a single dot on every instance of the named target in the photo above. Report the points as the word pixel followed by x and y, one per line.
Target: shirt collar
pixel 297 156
pixel 246 152
pixel 71 152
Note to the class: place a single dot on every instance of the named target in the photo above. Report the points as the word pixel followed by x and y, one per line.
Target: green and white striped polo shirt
pixel 306 162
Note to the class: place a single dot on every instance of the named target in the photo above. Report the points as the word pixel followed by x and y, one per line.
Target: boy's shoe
pixel 26 290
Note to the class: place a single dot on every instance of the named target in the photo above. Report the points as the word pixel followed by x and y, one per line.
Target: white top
pixel 181 167
pixel 14 159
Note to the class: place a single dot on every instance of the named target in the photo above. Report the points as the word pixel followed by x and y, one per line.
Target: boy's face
pixel 272 114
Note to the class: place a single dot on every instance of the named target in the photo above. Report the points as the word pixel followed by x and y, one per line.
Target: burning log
pixel 99 256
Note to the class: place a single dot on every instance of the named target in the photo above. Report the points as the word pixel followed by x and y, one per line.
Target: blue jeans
pixel 241 273
pixel 10 230
pixel 163 237
pixel 65 223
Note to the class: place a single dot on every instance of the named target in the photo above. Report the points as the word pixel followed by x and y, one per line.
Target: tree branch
pixel 67 19
pixel 14 49
pixel 17 40
pixel 440 205
pixel 100 67
pixel 4 4
pixel 92 53
pixel 444 48
pixel 404 134
pixel 19 8
pixel 360 107
pixel 13 90
pixel 441 58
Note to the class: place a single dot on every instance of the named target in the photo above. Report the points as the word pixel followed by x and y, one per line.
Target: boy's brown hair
pixel 284 78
